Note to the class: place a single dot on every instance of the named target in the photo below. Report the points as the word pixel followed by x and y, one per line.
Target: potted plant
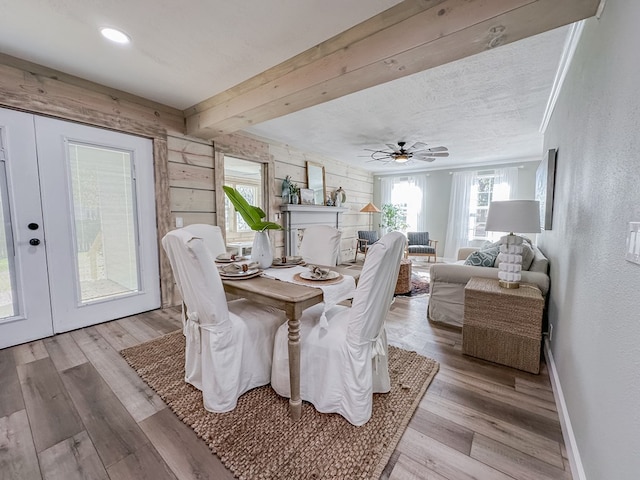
pixel 392 218
pixel 261 249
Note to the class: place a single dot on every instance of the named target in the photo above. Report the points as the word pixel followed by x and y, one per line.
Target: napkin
pixel 225 257
pixel 289 259
pixel 319 272
pixel 237 267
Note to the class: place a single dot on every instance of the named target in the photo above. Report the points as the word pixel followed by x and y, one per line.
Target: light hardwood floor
pixel 71 407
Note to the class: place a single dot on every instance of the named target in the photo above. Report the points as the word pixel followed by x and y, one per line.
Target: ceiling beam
pixel 412 36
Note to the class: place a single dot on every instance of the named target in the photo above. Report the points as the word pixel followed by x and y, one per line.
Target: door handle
pixel 34 242
pixel 33 226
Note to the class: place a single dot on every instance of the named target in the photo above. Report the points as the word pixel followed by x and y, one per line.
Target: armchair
pixel 419 244
pixel 365 239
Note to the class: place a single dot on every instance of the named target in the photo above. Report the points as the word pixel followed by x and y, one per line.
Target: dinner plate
pixel 230 260
pixel 287 265
pixel 249 273
pixel 309 276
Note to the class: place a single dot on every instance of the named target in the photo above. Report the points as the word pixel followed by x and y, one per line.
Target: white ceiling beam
pixel 411 37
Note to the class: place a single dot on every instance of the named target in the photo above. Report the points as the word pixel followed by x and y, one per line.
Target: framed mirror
pixel 315 182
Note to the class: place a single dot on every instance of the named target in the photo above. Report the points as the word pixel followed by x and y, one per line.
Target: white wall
pixel 439 195
pixel 594 302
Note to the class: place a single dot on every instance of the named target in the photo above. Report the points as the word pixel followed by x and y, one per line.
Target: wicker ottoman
pixel 503 325
pixel 403 285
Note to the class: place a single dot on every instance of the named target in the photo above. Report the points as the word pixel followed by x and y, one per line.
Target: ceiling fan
pixel 399 154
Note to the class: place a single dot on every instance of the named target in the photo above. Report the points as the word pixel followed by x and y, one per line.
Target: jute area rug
pixel 258 440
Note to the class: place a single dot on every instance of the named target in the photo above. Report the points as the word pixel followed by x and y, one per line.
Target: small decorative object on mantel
pixel 295 194
pixel 286 189
pixel 329 202
pixel 340 197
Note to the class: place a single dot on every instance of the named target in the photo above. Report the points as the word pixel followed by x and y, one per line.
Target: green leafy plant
pixel 251 214
pixel 392 218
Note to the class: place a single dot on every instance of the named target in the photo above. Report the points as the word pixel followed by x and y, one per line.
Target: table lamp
pixel 522 216
pixel 370 208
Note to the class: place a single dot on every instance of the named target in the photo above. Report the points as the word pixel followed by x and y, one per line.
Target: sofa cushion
pixel 483 258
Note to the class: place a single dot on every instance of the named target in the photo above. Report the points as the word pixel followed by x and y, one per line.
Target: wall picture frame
pixel 307 196
pixel 545 185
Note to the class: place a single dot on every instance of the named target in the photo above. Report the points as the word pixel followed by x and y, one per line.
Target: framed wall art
pixel 545 183
pixel 306 196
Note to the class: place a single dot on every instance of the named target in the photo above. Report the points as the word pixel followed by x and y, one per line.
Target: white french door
pixel 77 236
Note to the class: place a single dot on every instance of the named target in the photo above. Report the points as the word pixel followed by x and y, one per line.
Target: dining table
pixel 293 299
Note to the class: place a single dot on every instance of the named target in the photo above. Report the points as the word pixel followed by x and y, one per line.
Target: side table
pixel 503 325
pixel 403 285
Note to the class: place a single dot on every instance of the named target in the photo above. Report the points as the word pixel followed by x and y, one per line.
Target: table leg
pixel 295 403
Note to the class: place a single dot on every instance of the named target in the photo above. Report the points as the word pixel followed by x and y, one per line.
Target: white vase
pixel 261 250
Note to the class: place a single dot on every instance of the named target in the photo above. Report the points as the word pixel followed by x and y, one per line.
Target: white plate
pixel 309 276
pixel 252 271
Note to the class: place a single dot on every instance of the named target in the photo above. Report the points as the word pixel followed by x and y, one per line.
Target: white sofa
pixel 447 282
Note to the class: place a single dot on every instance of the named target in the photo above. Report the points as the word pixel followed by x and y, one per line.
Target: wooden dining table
pixel 293 298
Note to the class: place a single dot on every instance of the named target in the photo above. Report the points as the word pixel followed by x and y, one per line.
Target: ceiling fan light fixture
pixel 115 35
pixel 402 158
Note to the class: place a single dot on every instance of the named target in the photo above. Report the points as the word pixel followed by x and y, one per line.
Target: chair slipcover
pixel 229 346
pixel 321 245
pixel 212 236
pixel 344 364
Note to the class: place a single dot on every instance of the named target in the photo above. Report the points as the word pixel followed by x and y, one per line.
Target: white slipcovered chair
pixel 229 345
pixel 212 236
pixel 321 245
pixel 344 364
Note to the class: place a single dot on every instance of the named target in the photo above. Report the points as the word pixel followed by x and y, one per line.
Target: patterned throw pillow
pixel 483 258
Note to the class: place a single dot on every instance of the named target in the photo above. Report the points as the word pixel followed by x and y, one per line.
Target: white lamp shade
pixel 518 216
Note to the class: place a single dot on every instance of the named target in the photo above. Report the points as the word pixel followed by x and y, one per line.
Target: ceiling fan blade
pixel 438 149
pixel 442 154
pixel 417 146
pixel 395 148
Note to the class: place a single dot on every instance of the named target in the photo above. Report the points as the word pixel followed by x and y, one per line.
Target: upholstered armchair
pixel 365 239
pixel 419 244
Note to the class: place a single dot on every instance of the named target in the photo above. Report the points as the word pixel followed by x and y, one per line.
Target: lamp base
pixel 505 284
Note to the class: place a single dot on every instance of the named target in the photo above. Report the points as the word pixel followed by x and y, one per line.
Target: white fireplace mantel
pixel 299 217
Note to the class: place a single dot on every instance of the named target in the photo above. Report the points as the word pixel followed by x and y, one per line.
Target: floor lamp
pixel 370 208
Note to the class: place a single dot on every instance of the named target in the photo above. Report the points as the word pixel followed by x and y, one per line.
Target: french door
pixel 78 241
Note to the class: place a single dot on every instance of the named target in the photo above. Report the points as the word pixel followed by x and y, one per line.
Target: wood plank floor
pixel 71 408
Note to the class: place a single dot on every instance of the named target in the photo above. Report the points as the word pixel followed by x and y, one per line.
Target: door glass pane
pixel 8 297
pixel 105 221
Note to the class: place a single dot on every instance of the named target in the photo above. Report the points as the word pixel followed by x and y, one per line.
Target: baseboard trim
pixel 577 470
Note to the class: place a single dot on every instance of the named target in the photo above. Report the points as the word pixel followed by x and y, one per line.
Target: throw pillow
pixel 483 258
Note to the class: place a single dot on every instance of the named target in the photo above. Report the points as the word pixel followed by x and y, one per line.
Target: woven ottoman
pixel 503 325
pixel 403 285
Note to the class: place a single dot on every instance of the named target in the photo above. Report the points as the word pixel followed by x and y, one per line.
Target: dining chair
pixel 365 239
pixel 321 245
pixel 343 364
pixel 211 235
pixel 229 345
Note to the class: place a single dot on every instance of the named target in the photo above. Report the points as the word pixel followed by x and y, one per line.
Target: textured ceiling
pixel 485 109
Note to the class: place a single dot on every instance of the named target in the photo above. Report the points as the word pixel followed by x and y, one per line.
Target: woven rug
pixel 258 440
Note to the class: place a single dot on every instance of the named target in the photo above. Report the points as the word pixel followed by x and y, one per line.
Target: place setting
pixel 319 275
pixel 287 262
pixel 234 270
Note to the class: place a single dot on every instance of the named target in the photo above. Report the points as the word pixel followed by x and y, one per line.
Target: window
pixel 487 187
pixel 407 196
pixel 246 177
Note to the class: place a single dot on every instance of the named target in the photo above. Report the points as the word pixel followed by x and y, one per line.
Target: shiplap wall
pixel 284 160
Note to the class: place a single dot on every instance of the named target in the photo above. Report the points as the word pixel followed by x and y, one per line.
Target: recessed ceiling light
pixel 115 35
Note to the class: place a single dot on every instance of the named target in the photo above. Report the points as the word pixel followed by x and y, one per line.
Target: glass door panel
pixel 104 215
